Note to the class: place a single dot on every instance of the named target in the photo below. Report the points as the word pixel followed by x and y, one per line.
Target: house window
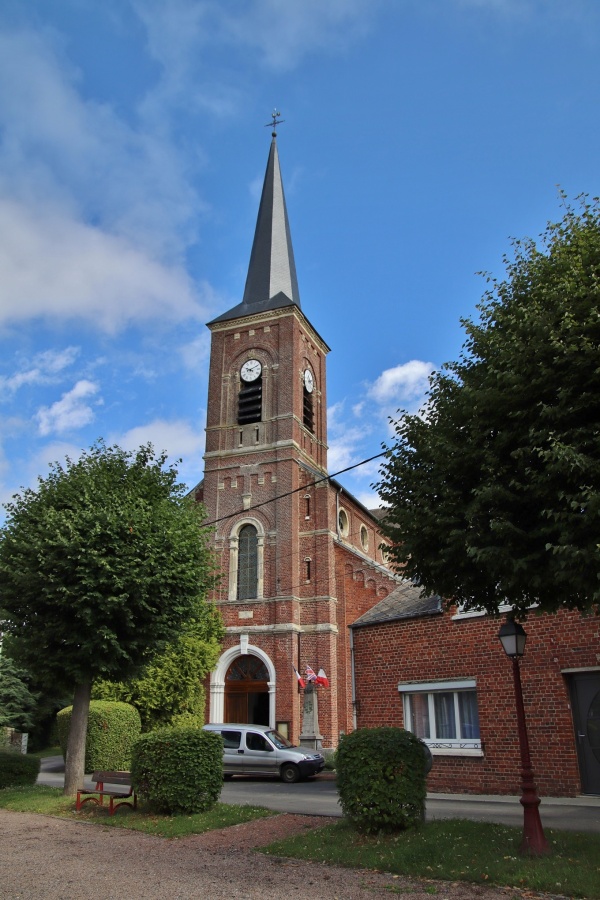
pixel 443 714
pixel 247 581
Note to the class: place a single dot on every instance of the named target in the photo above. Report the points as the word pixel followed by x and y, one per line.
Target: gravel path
pixel 47 858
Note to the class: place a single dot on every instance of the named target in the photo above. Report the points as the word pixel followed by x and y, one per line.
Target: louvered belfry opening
pixel 308 417
pixel 250 402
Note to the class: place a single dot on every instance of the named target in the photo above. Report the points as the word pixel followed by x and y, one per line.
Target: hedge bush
pixel 17 769
pixel 381 778
pixel 112 730
pixel 178 770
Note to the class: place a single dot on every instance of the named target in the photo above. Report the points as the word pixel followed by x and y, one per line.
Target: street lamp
pixel 512 637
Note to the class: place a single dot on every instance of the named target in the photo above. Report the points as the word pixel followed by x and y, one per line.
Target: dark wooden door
pixel 585 690
pixel 247 691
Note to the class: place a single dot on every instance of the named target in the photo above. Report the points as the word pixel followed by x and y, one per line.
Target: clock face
pixel 309 381
pixel 251 370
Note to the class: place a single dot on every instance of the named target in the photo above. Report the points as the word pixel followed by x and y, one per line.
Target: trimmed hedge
pixel 381 778
pixel 112 730
pixel 17 769
pixel 178 770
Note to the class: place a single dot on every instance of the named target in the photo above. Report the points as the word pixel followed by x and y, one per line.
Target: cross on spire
pixel 277 120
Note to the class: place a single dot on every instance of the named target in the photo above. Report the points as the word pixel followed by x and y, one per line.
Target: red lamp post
pixel 534 843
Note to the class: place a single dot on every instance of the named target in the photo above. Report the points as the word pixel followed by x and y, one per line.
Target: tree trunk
pixel 75 761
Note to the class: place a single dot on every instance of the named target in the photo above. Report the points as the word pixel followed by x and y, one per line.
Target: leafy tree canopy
pixel 17 701
pixel 100 567
pixel 494 488
pixel 102 564
pixel 170 690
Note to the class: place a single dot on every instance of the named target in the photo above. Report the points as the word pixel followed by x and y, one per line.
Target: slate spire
pixel 271 282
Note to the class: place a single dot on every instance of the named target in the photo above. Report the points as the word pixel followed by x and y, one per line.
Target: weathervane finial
pixel 276 120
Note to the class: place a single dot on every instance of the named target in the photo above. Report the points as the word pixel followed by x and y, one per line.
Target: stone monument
pixel 310 736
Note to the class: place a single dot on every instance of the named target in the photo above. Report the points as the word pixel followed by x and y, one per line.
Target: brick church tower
pixel 300 557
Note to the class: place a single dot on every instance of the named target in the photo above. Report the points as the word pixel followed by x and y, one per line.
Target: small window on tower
pixel 307 563
pixel 307 400
pixel 250 396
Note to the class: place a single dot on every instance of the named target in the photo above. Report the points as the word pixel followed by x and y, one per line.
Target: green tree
pixel 100 567
pixel 494 488
pixel 170 690
pixel 17 701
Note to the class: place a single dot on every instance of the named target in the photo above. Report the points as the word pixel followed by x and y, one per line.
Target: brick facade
pixel 440 647
pixel 320 562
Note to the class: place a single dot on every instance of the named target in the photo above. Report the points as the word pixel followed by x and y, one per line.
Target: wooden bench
pixel 122 797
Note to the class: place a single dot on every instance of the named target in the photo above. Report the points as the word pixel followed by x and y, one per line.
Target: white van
pixel 259 750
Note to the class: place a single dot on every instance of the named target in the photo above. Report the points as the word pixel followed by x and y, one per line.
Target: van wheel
pixel 290 773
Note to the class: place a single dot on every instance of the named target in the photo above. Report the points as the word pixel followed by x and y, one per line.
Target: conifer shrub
pixel 178 770
pixel 381 778
pixel 17 770
pixel 112 730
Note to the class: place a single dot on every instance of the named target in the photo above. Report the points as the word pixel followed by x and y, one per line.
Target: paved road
pixel 318 797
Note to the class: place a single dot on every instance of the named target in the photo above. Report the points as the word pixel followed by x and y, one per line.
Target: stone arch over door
pixel 249 659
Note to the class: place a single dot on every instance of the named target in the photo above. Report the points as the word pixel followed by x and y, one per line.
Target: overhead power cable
pixel 296 490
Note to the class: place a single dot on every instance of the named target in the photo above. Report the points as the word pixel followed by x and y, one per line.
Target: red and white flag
pixel 322 678
pixel 310 674
pixel 301 680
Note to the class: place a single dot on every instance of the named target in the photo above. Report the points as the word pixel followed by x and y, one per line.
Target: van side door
pixel 233 751
pixel 260 755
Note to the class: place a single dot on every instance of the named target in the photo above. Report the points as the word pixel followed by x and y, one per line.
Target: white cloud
pixel 344 439
pixel 284 32
pixel 177 438
pixel 195 355
pixel 43 369
pixel 370 499
pixel 280 31
pixel 95 214
pixel 75 271
pixel 404 384
pixel 69 413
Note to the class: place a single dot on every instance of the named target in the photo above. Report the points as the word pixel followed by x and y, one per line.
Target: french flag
pixel 301 680
pixel 322 678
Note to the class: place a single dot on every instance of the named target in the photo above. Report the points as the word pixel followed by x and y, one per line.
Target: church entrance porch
pixel 247 691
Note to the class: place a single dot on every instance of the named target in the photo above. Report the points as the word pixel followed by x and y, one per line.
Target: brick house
pixel 445 676
pixel 300 557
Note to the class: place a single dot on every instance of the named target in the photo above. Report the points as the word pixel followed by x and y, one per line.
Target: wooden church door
pixel 247 691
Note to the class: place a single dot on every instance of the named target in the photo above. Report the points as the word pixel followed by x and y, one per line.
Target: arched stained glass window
pixel 247 563
pixel 247 668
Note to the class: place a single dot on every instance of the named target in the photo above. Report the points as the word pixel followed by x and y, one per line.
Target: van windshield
pixel 279 740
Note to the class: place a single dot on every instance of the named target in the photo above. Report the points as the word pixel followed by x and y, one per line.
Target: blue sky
pixel 419 136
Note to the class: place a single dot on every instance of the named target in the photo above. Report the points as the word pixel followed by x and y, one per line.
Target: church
pixel 300 558
pixel 305 581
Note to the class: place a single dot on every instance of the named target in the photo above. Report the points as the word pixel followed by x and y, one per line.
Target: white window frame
pixel 233 560
pixel 459 746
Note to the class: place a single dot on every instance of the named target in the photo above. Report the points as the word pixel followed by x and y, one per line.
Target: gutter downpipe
pixel 352 678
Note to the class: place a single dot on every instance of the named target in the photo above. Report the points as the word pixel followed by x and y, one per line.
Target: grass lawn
pixel 458 850
pixel 446 850
pixel 51 802
pixel 49 751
